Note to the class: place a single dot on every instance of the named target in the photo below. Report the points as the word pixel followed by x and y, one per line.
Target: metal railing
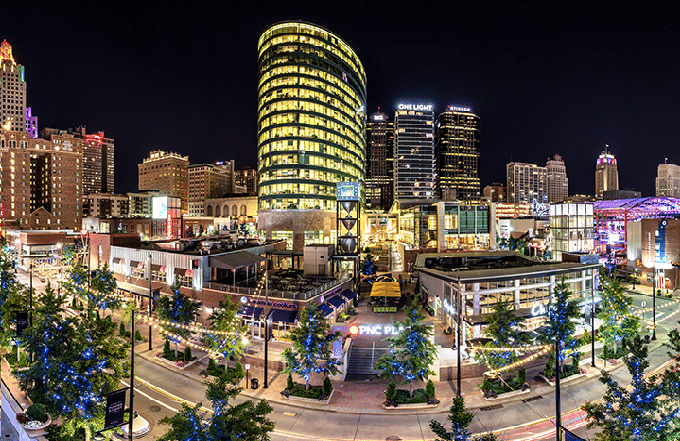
pixel 280 294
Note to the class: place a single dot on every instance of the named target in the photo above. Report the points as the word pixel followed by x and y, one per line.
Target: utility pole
pixel 558 404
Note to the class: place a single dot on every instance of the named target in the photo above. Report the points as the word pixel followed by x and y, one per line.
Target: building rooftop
pixel 638 208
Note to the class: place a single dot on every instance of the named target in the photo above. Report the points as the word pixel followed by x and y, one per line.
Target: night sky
pixel 545 77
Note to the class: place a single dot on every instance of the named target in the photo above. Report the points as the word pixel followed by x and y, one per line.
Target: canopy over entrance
pixel 386 289
pixel 232 261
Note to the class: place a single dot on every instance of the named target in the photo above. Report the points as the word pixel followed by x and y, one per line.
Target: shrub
pixel 121 330
pixel 166 348
pixel 585 339
pixel 402 396
pixel 239 372
pixel 289 382
pixel 327 386
pixel 430 389
pixel 521 376
pixel 187 354
pixel 211 365
pixel 138 335
pixel 23 360
pixel 37 412
pixel 486 384
pixel 419 396
pixel 391 392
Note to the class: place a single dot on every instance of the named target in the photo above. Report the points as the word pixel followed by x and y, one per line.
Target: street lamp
pixel 150 300
pixel 60 265
pixel 659 268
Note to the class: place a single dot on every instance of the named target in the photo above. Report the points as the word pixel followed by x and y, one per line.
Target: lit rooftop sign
pixel 422 107
pixel 459 109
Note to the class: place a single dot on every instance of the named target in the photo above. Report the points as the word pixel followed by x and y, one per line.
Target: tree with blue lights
pixel 99 292
pixel 368 264
pixel 13 295
pixel 231 341
pixel 617 322
pixel 245 421
pixel 312 343
pixel 76 360
pixel 460 421
pixel 180 311
pixel 506 330
pixel 411 351
pixel 643 411
pixel 563 313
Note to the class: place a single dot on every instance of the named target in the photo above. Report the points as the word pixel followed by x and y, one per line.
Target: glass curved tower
pixel 311 119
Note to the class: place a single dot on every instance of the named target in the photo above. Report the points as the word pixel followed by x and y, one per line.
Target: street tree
pixel 617 322
pixel 178 311
pixel 77 360
pixel 460 421
pixel 312 341
pixel 411 351
pixel 506 330
pixel 228 338
pixel 563 311
pixel 643 411
pixel 13 295
pixel 246 421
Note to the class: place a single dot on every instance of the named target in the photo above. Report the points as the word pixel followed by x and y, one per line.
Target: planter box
pixel 512 393
pixel 562 380
pixel 309 400
pixel 36 425
pixel 172 363
pixel 412 406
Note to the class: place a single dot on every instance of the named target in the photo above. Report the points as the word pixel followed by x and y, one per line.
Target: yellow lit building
pixel 311 129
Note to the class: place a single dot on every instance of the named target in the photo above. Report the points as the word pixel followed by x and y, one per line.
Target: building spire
pixel 6 52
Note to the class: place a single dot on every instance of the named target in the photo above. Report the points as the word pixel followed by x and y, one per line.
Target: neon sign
pixel 459 109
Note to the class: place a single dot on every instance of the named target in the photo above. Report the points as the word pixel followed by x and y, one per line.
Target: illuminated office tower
pixel 457 155
pixel 380 153
pixel 414 152
pixel 606 174
pixel 527 183
pixel 13 91
pixel 668 180
pixel 558 183
pixel 166 173
pixel 311 130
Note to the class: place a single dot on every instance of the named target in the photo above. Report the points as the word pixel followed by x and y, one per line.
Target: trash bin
pixel 647 338
pixel 253 383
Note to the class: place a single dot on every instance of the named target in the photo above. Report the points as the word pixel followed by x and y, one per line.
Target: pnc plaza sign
pixel 375 330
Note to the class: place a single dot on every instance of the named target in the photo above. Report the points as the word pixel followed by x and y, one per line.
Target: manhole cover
pixel 155 408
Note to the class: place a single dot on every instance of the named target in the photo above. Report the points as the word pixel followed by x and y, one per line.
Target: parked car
pixel 140 427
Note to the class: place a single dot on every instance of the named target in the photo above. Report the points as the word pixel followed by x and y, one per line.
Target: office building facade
pixel 414 152
pixel 311 129
pixel 668 180
pixel 558 183
pixel 457 153
pixel 246 177
pixel 379 166
pixel 526 183
pixel 606 174
pixel 166 173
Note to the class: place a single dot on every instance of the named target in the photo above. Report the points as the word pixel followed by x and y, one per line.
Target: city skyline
pixel 545 79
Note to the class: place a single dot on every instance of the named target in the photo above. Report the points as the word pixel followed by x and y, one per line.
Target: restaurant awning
pixel 133 264
pixel 134 289
pixel 284 315
pixel 386 289
pixel 231 261
pixel 336 301
pixel 116 260
pixel 326 309
pixel 348 294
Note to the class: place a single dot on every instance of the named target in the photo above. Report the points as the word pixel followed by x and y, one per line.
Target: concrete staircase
pixel 362 360
pixel 397 264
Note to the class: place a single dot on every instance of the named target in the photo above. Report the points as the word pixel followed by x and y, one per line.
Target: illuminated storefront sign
pixel 374 330
pixel 538 309
pixel 449 308
pixel 423 107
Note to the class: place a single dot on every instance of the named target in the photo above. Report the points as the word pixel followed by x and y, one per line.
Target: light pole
pixel 266 329
pixel 654 304
pixel 132 375
pixel 592 319
pixel 60 265
pixel 150 300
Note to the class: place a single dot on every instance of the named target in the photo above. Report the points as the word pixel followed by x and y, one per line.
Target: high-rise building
pixel 668 180
pixel 40 180
pixel 207 181
pixel 379 166
pixel 246 177
pixel 166 173
pixel 457 155
pixel 527 183
pixel 31 123
pixel 311 129
pixel 606 173
pixel 414 152
pixel 558 183
pixel 13 91
pixel 98 157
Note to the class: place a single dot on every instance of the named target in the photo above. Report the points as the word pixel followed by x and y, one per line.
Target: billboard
pixel 348 191
pixel 160 207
